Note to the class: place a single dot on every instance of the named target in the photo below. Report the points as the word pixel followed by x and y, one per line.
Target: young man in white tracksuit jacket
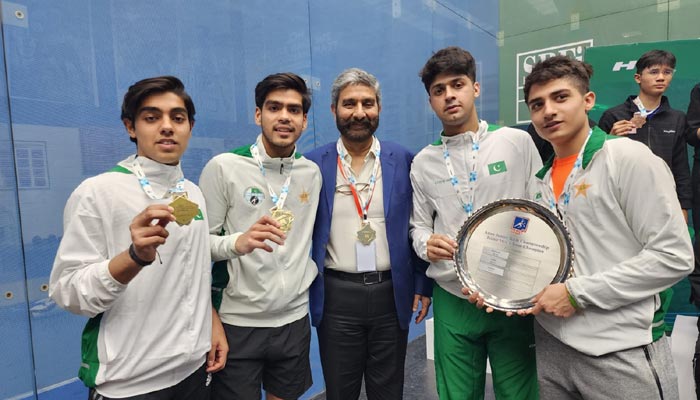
pixel 144 285
pixel 501 161
pixel 261 202
pixel 594 332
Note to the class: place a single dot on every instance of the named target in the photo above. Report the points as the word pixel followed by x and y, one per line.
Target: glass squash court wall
pixel 66 65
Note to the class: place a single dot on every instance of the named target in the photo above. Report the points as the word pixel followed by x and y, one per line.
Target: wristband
pixel 137 259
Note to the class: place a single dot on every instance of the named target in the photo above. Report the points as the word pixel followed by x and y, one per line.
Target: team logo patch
pixel 520 225
pixel 304 196
pixel 582 188
pixel 254 195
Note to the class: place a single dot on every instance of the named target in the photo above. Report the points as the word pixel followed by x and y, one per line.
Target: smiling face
pixel 282 120
pixel 558 112
pixel 357 113
pixel 452 98
pixel 161 128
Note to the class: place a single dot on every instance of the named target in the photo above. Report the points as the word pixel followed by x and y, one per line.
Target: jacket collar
pixel 595 143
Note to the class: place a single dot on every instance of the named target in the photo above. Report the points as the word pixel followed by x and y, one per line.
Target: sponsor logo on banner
pixel 528 59
pixel 626 65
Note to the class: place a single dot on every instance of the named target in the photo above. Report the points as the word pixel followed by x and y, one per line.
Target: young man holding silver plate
pixel 261 202
pixel 120 266
pixel 594 332
pixel 472 164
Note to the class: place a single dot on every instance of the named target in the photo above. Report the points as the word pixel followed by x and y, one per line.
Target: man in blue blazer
pixel 370 280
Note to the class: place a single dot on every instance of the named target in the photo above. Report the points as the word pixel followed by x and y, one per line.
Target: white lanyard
pixel 467 205
pixel 554 202
pixel 346 171
pixel 642 110
pixel 148 189
pixel 279 201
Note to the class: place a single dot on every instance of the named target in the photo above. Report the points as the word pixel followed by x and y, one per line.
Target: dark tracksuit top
pixel 665 134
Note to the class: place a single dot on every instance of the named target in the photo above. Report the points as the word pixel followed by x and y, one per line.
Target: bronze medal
pixel 284 217
pixel 184 210
pixel 638 120
pixel 366 234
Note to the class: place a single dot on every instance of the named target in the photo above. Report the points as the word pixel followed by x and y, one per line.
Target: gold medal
pixel 284 217
pixel 366 234
pixel 185 210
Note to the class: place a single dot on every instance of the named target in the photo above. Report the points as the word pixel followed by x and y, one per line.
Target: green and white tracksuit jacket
pixel 630 239
pixel 260 289
pixel 507 158
pixel 153 332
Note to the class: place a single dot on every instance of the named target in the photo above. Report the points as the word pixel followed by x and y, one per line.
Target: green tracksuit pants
pixel 466 335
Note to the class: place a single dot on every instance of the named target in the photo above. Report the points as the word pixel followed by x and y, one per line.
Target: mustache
pixel 365 123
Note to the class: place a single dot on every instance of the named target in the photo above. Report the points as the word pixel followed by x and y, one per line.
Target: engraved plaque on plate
pixel 509 250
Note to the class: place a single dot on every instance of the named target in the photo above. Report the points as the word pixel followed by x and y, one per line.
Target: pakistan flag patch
pixel 497 168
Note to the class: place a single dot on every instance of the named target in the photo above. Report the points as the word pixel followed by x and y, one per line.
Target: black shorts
pixel 194 387
pixel 276 358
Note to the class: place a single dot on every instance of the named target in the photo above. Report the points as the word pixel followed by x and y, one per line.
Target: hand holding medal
pixel 184 210
pixel 148 232
pixel 264 229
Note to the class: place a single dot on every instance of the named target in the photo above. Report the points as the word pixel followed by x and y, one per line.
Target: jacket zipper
pixel 653 371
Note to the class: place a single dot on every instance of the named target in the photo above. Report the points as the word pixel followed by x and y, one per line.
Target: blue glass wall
pixel 68 63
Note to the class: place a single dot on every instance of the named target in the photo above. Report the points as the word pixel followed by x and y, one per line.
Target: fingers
pixel 622 127
pixel 147 236
pixel 161 212
pixel 263 230
pixel 425 306
pixel 440 247
pixel 416 299
pixel 216 359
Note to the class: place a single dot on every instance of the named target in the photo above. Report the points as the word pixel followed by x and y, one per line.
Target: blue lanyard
pixel 468 205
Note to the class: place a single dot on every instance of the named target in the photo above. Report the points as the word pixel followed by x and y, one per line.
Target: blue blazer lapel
pixel 388 171
pixel 329 173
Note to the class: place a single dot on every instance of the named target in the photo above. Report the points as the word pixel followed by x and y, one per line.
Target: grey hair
pixel 354 76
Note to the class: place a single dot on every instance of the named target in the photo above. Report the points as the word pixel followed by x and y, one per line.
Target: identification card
pixel 366 257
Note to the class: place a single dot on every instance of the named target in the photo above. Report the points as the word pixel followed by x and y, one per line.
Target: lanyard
pixel 642 110
pixel 148 189
pixel 467 206
pixel 345 170
pixel 568 189
pixel 279 201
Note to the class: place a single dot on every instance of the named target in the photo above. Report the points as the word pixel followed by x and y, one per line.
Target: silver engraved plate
pixel 509 250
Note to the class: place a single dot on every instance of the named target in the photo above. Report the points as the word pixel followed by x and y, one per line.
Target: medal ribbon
pixel 279 201
pixel 345 170
pixel 467 206
pixel 146 184
pixel 638 102
pixel 554 203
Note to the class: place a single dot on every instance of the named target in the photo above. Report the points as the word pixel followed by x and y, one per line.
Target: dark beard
pixel 369 126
